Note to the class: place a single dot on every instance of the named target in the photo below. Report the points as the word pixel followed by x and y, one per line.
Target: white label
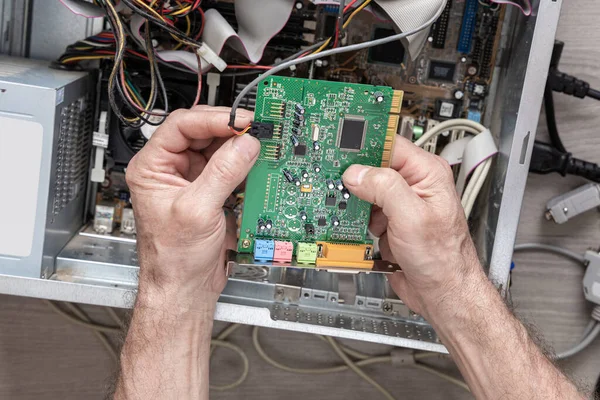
pixel 447 110
pixel 20 160
pixel 100 140
pixel 60 96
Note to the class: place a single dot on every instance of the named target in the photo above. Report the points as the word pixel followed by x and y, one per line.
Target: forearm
pixel 493 349
pixel 166 352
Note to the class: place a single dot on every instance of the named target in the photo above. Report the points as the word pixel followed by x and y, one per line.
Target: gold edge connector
pixel 390 138
pixel 397 102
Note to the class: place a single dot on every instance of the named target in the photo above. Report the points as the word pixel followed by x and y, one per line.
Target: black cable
pixel 594 94
pixel 597 392
pixel 547 159
pixel 551 120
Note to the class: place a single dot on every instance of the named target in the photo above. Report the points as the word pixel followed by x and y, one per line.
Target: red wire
pixel 349 5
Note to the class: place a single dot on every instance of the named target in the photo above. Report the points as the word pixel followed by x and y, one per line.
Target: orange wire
pixel 240 133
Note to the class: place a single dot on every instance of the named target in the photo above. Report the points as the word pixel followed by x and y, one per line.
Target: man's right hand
pixel 421 225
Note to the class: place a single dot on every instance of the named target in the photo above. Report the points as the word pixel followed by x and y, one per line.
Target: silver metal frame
pixel 94 270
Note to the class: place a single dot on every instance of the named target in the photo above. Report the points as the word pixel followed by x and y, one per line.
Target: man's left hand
pixel 179 184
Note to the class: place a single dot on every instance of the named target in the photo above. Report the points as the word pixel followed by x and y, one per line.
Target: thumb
pixel 227 168
pixel 382 186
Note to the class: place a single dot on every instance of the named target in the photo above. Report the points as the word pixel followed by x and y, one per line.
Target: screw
pixel 279 292
pixel 565 210
pixel 387 307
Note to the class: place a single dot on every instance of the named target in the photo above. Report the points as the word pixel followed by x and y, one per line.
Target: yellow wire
pixel 153 11
pixel 358 9
pixel 133 96
pixel 188 29
pixel 320 49
pixel 79 58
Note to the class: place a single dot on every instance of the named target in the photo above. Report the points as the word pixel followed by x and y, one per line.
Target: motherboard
pixel 296 205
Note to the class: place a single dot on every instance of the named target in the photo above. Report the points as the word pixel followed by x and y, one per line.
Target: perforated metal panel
pixel 72 160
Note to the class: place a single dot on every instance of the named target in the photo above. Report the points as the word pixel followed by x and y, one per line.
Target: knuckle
pixel 224 169
pixel 385 178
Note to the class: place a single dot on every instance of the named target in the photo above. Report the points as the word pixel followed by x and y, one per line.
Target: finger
pixel 378 223
pixel 227 168
pixel 184 127
pixel 384 187
pixel 412 162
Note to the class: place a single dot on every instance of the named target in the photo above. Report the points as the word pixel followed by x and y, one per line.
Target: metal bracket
pixel 286 293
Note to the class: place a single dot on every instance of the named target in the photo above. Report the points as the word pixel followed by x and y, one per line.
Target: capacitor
pixel 303 216
pixel 269 224
pixel 316 146
pixel 261 224
pixel 297 182
pixel 296 130
pixel 330 184
pixel 299 109
pixel 378 97
pixel 288 176
pixel 298 123
pixel 459 94
pixel 299 116
pixel 317 168
pixel 345 194
pixel 335 221
pixel 304 173
pixel 339 185
pixel 295 140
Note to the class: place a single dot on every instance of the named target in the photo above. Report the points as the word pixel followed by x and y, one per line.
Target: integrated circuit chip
pixel 442 71
pixel 351 136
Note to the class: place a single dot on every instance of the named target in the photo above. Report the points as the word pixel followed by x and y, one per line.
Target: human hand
pixel 179 184
pixel 421 225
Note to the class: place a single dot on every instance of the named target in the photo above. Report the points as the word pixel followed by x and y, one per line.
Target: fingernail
pixel 247 146
pixel 355 174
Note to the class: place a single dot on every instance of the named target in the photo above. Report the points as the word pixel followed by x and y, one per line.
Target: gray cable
pixel 551 249
pixel 582 345
pixel 345 49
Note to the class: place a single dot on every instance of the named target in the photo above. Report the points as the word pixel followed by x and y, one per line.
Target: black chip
pixel 300 150
pixel 262 130
pixel 343 205
pixel 389 53
pixel 322 221
pixel 310 229
pixel 352 134
pixel 330 201
pixel 442 71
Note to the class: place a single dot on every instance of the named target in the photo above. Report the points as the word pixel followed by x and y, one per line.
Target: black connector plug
pixel 547 159
pixel 565 83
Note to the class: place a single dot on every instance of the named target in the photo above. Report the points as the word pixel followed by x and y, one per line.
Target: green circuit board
pixel 311 131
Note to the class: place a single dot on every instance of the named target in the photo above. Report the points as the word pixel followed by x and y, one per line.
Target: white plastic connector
pixel 213 81
pixel 591 280
pixel 100 141
pixel 208 55
pixel 566 206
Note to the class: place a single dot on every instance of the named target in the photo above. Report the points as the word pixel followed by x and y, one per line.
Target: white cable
pixel 481 172
pixel 551 249
pixel 594 333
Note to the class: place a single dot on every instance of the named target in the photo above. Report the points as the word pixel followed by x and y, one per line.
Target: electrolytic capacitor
pixel 345 194
pixel 339 185
pixel 378 97
pixel 299 109
pixel 295 140
pixel 330 184
pixel 269 224
pixel 304 173
pixel 299 117
pixel 335 221
pixel 317 168
pixel 288 176
pixel 303 216
pixel 261 224
pixel 316 146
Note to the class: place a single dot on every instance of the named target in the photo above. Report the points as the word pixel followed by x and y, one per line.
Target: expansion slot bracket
pixel 235 259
